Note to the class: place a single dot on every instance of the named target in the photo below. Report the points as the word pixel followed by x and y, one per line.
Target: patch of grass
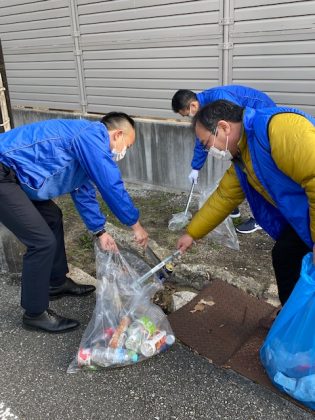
pixel 86 241
pixel 237 221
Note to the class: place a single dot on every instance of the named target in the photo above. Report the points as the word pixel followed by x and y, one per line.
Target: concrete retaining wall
pixel 160 157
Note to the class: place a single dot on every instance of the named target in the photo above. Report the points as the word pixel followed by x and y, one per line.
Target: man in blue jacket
pixel 41 161
pixel 187 104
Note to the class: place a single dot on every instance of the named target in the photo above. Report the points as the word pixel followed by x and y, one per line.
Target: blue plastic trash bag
pixel 288 353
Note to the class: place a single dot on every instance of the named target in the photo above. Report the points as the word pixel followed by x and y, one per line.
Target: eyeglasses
pixel 207 148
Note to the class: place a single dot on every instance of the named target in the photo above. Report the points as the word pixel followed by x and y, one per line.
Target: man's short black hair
pixel 114 120
pixel 210 114
pixel 182 99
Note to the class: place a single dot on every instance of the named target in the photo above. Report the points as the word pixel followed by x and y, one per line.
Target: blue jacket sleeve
pixel 91 148
pixel 88 207
pixel 200 156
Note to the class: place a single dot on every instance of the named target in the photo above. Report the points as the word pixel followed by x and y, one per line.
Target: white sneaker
pixel 249 226
pixel 235 213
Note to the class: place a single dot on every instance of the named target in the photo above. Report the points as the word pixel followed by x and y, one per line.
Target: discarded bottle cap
pixel 134 357
pixel 170 339
pixel 169 267
pixel 84 357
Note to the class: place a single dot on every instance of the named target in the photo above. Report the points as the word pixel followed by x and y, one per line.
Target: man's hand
pixel 193 176
pixel 107 243
pixel 141 235
pixel 184 243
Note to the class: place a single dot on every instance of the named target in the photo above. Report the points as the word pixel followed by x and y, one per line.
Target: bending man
pixel 41 161
pixel 273 155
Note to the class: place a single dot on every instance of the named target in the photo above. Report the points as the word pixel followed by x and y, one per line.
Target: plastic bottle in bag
pixel 134 341
pixel 137 333
pixel 84 357
pixel 109 356
pixel 305 388
pixel 157 344
pixel 149 347
pixel 122 340
pixel 115 341
pixel 148 324
pixel 156 316
pixel 286 382
pixel 103 338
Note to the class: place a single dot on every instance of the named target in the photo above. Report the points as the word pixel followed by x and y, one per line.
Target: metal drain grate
pixel 227 332
pixel 218 331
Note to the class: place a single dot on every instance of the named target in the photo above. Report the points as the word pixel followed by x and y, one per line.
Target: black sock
pixel 33 314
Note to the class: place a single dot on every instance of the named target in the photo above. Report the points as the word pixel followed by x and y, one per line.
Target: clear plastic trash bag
pixel 126 327
pixel 179 221
pixel 224 233
pixel 288 353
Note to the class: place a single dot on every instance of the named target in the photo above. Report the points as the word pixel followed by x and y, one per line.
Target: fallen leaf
pixel 207 302
pixel 200 306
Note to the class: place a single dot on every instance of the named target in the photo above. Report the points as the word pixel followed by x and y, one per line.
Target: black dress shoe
pixel 70 288
pixel 50 322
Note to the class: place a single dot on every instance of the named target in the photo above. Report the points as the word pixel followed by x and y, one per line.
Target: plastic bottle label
pixel 148 324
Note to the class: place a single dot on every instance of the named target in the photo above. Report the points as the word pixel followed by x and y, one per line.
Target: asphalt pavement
pixel 176 385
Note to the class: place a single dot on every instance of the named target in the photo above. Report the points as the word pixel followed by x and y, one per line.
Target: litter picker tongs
pixel 189 198
pixel 156 260
pixel 157 267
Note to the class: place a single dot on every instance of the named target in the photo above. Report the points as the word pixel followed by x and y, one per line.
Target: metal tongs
pixel 157 267
pixel 163 272
pixel 189 198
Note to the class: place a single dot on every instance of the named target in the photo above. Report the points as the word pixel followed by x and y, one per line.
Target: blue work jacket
pixel 239 95
pixel 291 202
pixel 55 157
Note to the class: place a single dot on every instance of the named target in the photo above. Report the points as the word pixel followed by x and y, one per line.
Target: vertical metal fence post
pixel 6 120
pixel 227 46
pixel 78 53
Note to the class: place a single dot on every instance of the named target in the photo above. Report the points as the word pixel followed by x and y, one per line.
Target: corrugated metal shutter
pixel 132 55
pixel 38 49
pixel 273 49
pixel 138 53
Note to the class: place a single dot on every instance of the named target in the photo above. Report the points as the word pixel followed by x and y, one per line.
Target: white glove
pixel 193 176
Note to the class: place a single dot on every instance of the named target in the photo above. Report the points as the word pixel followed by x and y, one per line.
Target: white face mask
pixel 191 113
pixel 220 154
pixel 119 155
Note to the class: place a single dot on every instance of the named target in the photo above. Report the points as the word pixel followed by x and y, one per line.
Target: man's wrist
pixel 100 233
pixel 136 225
